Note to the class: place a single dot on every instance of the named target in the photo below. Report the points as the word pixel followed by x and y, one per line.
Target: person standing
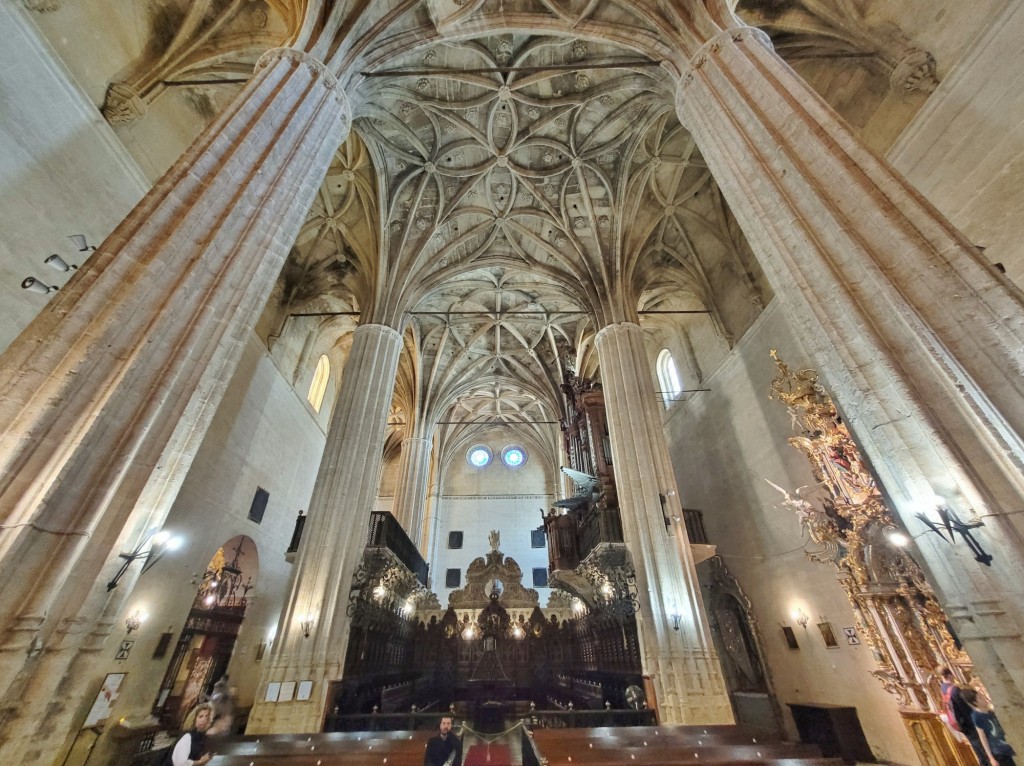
pixel 444 748
pixel 958 713
pixel 223 701
pixel 190 749
pixel 990 732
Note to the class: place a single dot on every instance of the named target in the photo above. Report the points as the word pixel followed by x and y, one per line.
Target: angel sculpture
pixel 820 528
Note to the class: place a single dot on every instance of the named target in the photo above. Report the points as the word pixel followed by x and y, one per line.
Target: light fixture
pixel 380 592
pixel 56 262
pixel 800 617
pixel 577 606
pixel 307 625
pixel 517 632
pixel 34 285
pixel 897 538
pixel 409 607
pixel 944 521
pixel 81 243
pixel 159 543
pixel 676 620
pixel 134 621
pixel 469 633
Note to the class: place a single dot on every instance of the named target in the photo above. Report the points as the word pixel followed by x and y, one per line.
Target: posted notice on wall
pixel 105 699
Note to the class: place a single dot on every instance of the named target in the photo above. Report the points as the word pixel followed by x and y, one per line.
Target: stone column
pixel 108 393
pixel 680 658
pixel 918 337
pixel 428 536
pixel 333 539
pixel 411 493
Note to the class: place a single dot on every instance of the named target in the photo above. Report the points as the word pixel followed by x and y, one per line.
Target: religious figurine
pixel 494 538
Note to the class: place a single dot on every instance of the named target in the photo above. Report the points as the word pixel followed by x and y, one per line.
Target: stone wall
pixel 724 443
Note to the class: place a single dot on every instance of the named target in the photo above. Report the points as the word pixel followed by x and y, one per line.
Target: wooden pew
pixel 668 746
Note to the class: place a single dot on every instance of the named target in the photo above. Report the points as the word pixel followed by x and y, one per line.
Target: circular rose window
pixel 478 456
pixel 513 456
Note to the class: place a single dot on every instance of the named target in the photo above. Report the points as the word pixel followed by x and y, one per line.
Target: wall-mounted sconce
pixel 676 620
pixel 56 262
pixel 944 521
pixel 81 243
pixel 380 592
pixel 134 621
pixel 896 538
pixel 159 543
pixel 307 624
pixel 34 285
pixel 469 633
pixel 800 617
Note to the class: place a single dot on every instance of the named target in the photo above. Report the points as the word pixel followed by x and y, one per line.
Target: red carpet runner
pixel 488 755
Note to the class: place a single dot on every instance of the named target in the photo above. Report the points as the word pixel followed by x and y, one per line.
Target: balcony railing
pixel 694 521
pixel 386 532
pixel 383 532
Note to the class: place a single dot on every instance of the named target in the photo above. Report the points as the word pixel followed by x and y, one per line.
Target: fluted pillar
pixel 428 536
pixel 411 493
pixel 108 393
pixel 680 659
pixel 917 336
pixel 333 539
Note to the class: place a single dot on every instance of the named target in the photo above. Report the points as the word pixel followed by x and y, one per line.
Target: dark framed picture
pixel 828 634
pixel 791 641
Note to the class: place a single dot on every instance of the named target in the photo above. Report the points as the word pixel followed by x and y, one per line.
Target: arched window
pixel 318 387
pixel 668 377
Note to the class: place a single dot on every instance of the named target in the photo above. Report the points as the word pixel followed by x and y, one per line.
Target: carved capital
pixel 123 104
pixel 715 44
pixel 914 70
pixel 315 65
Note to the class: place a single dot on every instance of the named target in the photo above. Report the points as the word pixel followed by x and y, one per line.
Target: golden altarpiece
pixel 894 607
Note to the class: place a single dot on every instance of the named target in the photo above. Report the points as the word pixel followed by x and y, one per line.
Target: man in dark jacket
pixel 444 748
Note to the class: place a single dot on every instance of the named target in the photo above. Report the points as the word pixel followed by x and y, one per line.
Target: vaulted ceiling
pixel 503 195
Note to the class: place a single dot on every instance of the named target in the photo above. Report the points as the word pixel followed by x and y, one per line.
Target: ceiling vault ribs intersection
pixel 534 189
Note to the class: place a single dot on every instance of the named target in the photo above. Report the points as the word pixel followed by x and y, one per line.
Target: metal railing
pixel 383 532
pixel 386 532
pixel 694 521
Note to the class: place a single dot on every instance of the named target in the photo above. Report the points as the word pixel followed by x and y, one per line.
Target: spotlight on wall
pixel 944 521
pixel 307 625
pixel 56 262
pixel 800 617
pixel 34 285
pixel 158 544
pixel 134 621
pixel 81 243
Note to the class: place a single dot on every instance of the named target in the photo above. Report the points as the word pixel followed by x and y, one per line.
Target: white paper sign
pixel 273 690
pixel 287 691
pixel 305 691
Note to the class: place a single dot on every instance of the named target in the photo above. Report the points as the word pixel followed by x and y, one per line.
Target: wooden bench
pixel 668 746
